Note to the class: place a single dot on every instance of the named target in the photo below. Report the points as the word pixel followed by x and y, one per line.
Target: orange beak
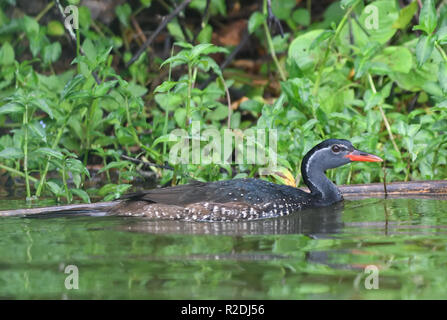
pixel 357 155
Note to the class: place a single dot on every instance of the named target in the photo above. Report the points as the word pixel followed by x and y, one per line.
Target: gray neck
pixel 320 186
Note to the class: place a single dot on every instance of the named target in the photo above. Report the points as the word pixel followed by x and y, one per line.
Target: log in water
pixel 419 189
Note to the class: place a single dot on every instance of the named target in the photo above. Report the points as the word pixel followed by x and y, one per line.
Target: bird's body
pixel 247 199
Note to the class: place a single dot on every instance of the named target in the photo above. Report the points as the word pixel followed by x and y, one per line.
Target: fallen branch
pixel 410 189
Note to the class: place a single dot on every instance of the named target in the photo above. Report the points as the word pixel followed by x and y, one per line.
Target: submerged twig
pixel 145 163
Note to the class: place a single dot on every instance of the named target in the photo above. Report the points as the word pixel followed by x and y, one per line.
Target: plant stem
pixel 385 120
pixel 188 100
pixel 47 163
pixel 331 41
pixel 25 152
pixel 17 172
pixel 64 180
pixel 441 51
pixel 272 48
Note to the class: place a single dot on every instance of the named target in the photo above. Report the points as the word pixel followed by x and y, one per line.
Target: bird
pixel 248 198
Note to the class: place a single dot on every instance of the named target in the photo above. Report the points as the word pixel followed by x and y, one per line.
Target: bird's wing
pixel 195 191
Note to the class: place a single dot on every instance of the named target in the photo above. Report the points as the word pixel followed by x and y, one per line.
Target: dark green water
pixel 310 255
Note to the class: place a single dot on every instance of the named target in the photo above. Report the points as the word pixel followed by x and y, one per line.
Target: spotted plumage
pixel 246 199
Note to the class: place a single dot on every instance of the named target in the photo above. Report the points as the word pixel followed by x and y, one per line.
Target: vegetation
pixel 374 72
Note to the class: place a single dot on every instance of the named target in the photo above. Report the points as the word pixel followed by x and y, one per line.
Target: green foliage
pixel 361 72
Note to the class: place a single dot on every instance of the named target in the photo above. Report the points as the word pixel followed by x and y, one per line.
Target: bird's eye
pixel 336 149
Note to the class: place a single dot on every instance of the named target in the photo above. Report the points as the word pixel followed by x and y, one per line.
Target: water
pixel 317 254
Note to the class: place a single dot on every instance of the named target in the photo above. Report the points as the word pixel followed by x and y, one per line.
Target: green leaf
pixel 55 28
pixel 427 17
pixel 114 164
pixel 424 48
pixel 42 105
pixel 30 25
pixel 282 8
pixel 89 50
pixel 51 52
pixel 11 153
pixel 373 100
pixel 168 101
pixel 55 188
pixel 442 76
pixel 442 34
pixel 205 49
pixel 256 19
pixel 50 152
pixel 346 3
pixel 180 116
pixel 11 107
pixel 6 54
pixel 123 12
pixel 392 59
pixel 301 16
pixel 75 165
pixel 104 87
pixel 326 34
pixel 165 86
pixel 405 16
pixel 81 194
pixel 207 63
pixel 376 23
pixel 175 30
pixel 71 86
pixel 205 34
pixel 38 130
pixel 299 50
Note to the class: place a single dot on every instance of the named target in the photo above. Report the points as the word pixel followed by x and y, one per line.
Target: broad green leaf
pixel 427 17
pixel 442 76
pixel 282 8
pixel 55 188
pixel 11 153
pixel 50 153
pixel 301 16
pixel 11 107
pixel 168 101
pixel 392 59
pixel 55 28
pixel 123 12
pixel 38 130
pixel 89 50
pixel 300 52
pixel 326 34
pixel 165 86
pixel 256 19
pixel 81 194
pixel 72 85
pixel 205 34
pixel 376 22
pixel 6 54
pixel 75 165
pixel 405 15
pixel 180 116
pixel 344 4
pixel 104 87
pixel 51 52
pixel 42 105
pixel 114 164
pixel 424 48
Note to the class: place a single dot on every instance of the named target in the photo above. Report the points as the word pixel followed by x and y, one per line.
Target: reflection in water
pixel 313 222
pixel 319 253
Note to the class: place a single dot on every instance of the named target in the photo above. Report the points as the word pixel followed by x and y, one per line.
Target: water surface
pixel 315 254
